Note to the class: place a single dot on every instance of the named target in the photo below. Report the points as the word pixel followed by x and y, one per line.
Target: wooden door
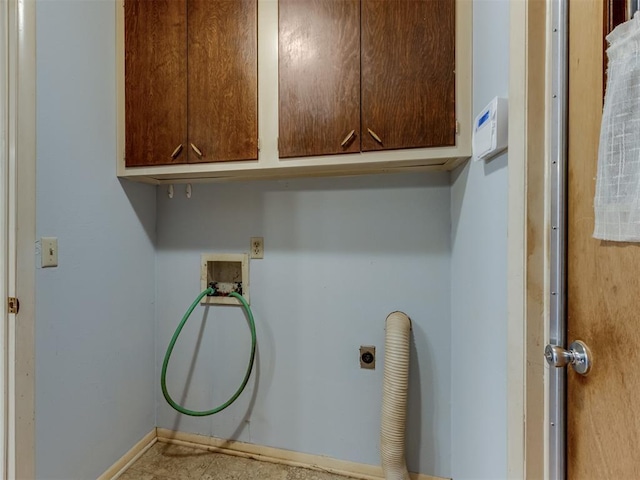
pixel 155 82
pixel 408 74
pixel 319 77
pixel 223 80
pixel 603 284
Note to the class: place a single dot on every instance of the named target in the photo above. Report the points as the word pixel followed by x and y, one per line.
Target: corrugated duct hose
pixel 167 356
pixel 394 396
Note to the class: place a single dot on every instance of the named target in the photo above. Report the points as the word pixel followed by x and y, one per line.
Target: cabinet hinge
pixel 457 127
pixel 258 144
pixel 13 305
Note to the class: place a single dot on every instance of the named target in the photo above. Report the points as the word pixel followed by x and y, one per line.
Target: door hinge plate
pixel 457 127
pixel 13 305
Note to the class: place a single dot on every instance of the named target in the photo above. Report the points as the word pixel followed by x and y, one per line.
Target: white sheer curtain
pixel 617 199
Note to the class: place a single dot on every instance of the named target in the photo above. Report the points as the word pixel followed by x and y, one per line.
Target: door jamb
pixel 528 242
pixel 20 42
pixel 6 257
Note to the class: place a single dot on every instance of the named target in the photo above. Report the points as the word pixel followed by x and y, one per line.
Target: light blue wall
pixel 95 367
pixel 479 274
pixel 340 255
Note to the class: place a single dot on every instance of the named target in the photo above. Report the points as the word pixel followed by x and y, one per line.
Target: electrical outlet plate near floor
pixel 368 357
pixel 226 268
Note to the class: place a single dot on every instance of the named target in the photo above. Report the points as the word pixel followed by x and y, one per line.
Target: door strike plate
pixel 14 305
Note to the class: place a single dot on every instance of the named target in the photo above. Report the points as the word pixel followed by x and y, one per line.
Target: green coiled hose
pixel 167 356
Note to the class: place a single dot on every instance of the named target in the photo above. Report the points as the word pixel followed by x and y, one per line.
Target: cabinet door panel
pixel 155 81
pixel 408 73
pixel 223 80
pixel 319 71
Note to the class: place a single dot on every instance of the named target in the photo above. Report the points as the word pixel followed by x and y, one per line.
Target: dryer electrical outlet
pixel 227 272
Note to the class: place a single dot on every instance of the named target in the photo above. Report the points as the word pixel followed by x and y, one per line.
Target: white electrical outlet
pixel 257 247
pixel 49 251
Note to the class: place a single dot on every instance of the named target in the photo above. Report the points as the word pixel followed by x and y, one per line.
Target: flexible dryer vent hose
pixel 394 396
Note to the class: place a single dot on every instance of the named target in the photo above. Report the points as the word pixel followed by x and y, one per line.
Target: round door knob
pixel 557 356
pixel 578 356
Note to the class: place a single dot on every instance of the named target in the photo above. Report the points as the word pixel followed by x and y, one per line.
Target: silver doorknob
pixel 578 356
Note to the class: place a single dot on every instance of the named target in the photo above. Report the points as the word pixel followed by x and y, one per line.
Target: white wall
pixel 340 255
pixel 94 313
pixel 479 274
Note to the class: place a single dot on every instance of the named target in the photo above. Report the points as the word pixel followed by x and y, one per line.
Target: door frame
pixel 527 251
pixel 18 56
pixel 531 184
pixel 528 248
pixel 6 258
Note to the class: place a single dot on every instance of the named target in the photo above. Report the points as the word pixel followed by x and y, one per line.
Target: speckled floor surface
pixel 164 461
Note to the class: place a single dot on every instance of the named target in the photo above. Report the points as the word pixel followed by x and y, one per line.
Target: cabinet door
pixel 223 80
pixel 319 71
pixel 408 74
pixel 155 82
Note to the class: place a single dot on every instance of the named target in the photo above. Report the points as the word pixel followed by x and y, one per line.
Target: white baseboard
pixel 276 455
pixel 131 456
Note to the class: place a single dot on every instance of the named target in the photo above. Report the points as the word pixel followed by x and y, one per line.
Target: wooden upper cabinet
pixel 191 81
pixel 223 80
pixel 346 86
pixel 155 82
pixel 408 74
pixel 319 77
pixel 382 69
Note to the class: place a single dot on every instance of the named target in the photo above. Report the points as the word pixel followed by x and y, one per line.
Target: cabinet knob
pixel 197 150
pixel 348 138
pixel 375 136
pixel 177 152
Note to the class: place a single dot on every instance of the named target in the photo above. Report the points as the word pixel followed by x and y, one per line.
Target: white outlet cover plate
pixel 257 253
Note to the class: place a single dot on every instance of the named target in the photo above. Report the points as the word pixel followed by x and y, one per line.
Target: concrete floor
pixel 164 461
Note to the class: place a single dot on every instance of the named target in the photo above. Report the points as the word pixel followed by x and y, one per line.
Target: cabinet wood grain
pixel 223 80
pixel 319 72
pixel 155 81
pixel 408 74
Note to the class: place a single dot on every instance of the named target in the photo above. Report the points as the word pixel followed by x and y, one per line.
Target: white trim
pixel 248 450
pixel 129 458
pixel 516 248
pixel 22 158
pixel 5 256
pixel 528 243
pixel 281 456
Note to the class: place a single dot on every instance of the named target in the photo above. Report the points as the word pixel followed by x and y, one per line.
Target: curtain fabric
pixel 617 198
